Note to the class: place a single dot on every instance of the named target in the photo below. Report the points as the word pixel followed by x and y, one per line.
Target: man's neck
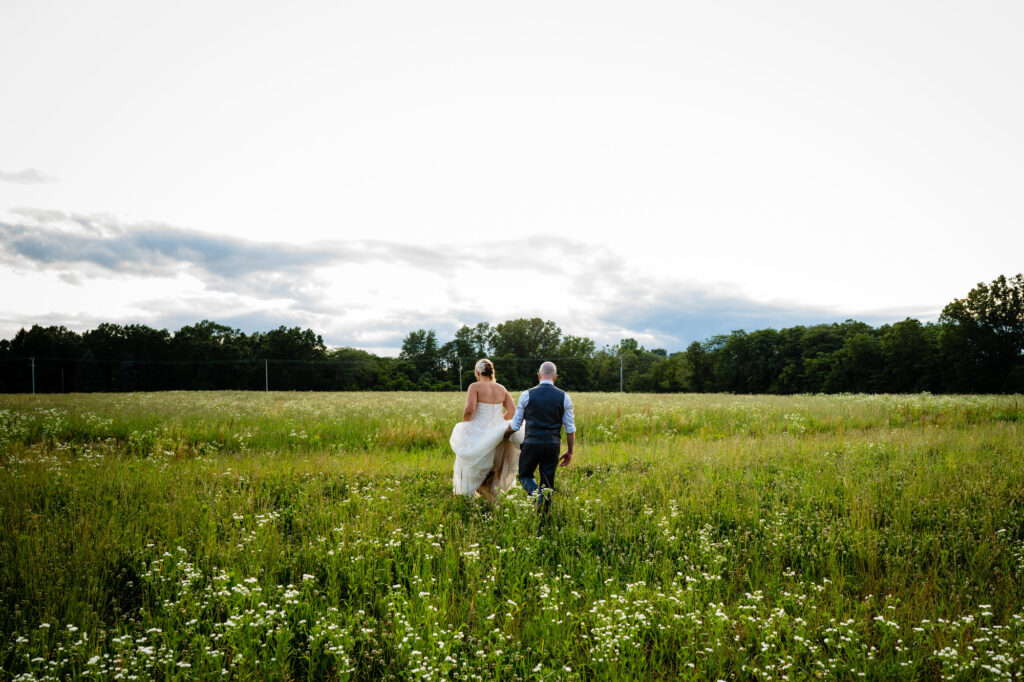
pixel 548 381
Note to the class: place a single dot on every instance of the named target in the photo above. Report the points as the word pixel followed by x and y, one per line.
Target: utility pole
pixel 620 374
pixel 266 375
pixel 33 375
pixel 460 374
pixel 61 379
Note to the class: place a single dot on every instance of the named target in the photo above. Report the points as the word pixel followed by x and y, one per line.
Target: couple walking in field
pixel 498 442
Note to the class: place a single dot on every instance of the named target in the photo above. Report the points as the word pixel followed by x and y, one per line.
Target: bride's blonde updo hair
pixel 485 368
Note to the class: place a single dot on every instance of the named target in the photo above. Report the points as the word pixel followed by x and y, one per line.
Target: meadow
pixel 228 535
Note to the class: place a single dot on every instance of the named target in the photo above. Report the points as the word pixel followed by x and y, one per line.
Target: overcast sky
pixel 661 170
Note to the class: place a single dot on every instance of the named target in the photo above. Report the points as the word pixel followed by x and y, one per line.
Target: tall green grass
pixel 310 536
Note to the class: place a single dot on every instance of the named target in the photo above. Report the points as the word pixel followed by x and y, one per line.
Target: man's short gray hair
pixel 548 370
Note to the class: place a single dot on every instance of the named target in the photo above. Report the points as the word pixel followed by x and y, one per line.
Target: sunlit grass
pixel 315 535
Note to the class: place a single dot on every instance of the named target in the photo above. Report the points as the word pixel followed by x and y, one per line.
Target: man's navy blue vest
pixel 543 414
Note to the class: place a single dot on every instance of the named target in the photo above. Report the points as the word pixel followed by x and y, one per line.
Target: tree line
pixel 977 346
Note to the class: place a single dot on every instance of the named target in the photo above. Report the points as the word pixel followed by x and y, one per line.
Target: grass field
pixel 310 536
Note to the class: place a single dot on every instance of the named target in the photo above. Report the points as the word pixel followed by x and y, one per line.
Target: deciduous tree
pixel 984 336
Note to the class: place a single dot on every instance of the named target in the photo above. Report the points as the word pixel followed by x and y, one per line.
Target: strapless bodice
pixel 489 412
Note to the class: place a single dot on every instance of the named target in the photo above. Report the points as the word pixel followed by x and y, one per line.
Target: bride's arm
pixel 510 407
pixel 467 414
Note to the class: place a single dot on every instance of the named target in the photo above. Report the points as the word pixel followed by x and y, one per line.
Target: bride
pixel 485 462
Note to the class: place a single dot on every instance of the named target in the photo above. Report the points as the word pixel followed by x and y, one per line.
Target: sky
pixel 665 171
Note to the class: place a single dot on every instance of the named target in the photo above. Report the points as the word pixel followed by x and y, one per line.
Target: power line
pixel 89 373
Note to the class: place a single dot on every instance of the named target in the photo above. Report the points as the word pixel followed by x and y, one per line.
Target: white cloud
pixel 367 293
pixel 28 176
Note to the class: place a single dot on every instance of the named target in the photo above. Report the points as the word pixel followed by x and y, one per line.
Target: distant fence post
pixel 620 374
pixel 266 375
pixel 33 375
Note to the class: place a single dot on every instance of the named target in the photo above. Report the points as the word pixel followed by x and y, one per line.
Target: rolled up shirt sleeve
pixel 517 419
pixel 568 418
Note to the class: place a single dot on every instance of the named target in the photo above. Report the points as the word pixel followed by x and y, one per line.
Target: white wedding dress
pixel 480 449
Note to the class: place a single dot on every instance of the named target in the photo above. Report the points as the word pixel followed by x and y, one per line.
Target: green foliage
pixel 293 343
pixel 978 346
pixel 576 347
pixel 985 331
pixel 357 369
pixel 534 339
pixel 420 349
pixel 910 356
pixel 474 341
pixel 295 536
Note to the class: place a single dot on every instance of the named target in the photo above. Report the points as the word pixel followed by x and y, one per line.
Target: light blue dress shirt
pixel 568 420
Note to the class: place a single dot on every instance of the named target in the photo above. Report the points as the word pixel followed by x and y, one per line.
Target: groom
pixel 546 410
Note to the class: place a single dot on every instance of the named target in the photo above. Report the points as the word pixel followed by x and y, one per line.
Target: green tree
pixel 984 336
pixel 575 347
pixel 519 346
pixel 789 359
pixel 820 346
pixel 457 356
pixel 208 340
pixel 289 343
pixel 54 348
pixel 469 345
pixel 671 375
pixel 129 357
pixel 533 339
pixel 605 369
pixel 700 357
pixel 295 358
pixel 857 367
pixel 748 363
pixel 53 342
pixel 474 342
pixel 421 351
pixel 909 355
pixel 636 362
pixel 462 345
pixel 217 357
pixel 736 364
pixel 395 375
pixel 353 370
pixel 574 359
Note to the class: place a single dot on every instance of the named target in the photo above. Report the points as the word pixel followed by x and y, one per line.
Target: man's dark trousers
pixel 545 456
pixel 544 411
